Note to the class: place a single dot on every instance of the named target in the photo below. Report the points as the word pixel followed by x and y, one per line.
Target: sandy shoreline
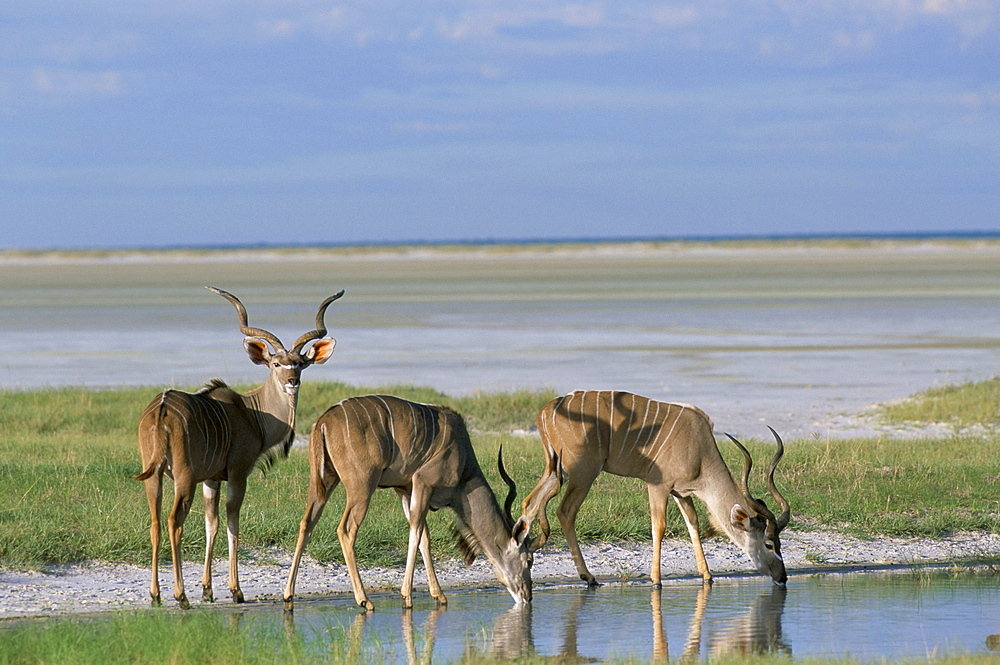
pixel 102 587
pixel 509 250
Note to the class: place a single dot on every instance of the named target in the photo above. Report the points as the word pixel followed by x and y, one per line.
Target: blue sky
pixel 203 122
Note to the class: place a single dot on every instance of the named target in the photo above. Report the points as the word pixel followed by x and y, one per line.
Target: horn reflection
pixel 756 632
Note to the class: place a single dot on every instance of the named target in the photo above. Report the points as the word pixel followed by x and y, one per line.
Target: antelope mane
pixel 211 385
pixel 273 455
pixel 466 541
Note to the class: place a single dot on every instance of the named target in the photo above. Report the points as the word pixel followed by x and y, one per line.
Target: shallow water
pixel 865 616
pixel 793 340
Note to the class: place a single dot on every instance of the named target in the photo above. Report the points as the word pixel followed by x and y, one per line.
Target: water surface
pixel 793 337
pixel 866 616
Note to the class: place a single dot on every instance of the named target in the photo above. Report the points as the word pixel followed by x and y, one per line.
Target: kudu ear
pixel 519 534
pixel 257 350
pixel 321 350
pixel 740 518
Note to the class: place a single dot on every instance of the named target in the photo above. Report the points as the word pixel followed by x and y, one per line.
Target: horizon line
pixel 541 240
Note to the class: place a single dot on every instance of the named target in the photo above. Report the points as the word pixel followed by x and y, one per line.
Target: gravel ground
pixel 95 587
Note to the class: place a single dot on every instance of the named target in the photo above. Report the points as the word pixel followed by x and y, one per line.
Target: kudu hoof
pixel 289 605
pixel 154 601
pixel 182 600
pixel 238 596
pixel 207 595
pixel 590 580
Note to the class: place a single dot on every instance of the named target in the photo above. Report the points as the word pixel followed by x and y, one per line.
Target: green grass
pixel 963 405
pixel 67 494
pixel 156 637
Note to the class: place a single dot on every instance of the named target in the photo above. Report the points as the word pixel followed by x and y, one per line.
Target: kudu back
pixel 218 434
pixel 669 446
pixel 424 453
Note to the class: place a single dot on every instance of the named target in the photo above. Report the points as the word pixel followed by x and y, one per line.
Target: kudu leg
pixel 347 533
pixel 567 511
pixel 235 491
pixel 417 517
pixel 686 504
pixel 183 497
pixel 658 523
pixel 210 494
pixel 154 497
pixel 314 510
pixel 425 551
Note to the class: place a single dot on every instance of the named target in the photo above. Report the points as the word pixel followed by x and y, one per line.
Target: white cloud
pixel 674 16
pixel 333 19
pixel 279 28
pixel 425 127
pixel 488 22
pixel 75 82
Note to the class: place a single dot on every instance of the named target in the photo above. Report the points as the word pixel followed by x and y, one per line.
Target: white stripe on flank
pixel 555 409
pixel 663 442
pixel 430 415
pixel 611 422
pixel 413 419
pixel 322 466
pixel 597 417
pixel 638 429
pixel 623 443
pixel 651 425
pixel 347 424
pixel 392 422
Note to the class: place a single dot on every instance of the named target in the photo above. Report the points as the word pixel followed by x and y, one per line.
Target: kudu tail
pixel 324 477
pixel 153 436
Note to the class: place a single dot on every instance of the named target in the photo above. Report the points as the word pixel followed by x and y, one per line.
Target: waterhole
pixel 867 616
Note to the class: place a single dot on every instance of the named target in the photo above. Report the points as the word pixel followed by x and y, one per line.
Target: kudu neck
pixel 274 410
pixel 477 507
pixel 720 493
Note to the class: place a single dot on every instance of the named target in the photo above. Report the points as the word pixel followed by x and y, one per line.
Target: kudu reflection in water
pixel 512 635
pixel 672 448
pixel 357 647
pixel 758 631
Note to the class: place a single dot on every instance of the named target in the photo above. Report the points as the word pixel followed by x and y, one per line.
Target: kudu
pixel 672 448
pixel 424 453
pixel 218 434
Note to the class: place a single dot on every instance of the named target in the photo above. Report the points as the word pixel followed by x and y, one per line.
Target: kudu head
pixel 535 504
pixel 757 523
pixel 285 365
pixel 514 564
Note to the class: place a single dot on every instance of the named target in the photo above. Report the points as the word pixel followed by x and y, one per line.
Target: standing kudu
pixel 669 446
pixel 217 434
pixel 425 454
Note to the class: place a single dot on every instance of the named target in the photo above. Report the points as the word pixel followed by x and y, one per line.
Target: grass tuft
pixel 962 405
